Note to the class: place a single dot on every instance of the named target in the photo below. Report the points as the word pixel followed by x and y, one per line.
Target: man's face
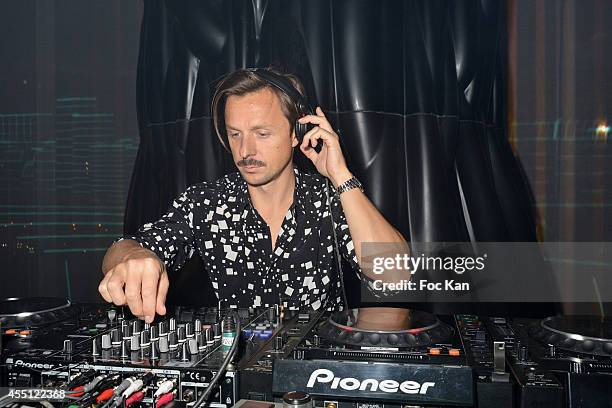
pixel 259 135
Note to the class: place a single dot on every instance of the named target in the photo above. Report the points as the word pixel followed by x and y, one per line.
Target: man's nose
pixel 248 146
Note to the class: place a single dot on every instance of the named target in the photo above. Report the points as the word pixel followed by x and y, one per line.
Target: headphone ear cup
pixel 300 131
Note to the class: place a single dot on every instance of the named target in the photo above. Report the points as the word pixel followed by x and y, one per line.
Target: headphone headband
pixel 285 86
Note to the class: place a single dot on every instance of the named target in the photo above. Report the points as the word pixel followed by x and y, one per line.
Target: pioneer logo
pixel 45 366
pixel 325 376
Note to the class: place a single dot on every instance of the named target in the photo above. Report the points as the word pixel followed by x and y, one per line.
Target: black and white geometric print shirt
pixel 217 220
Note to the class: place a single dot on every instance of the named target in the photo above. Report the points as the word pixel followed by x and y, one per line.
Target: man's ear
pixel 294 140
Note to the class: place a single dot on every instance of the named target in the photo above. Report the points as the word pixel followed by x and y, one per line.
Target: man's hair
pixel 242 82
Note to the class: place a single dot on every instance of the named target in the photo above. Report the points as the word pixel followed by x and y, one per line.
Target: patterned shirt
pixel 217 220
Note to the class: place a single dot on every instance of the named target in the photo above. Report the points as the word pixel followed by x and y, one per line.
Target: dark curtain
pixel 416 90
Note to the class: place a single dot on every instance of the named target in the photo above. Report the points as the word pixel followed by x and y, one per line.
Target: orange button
pixel 434 351
pixel 11 331
pixel 454 352
pixel 25 332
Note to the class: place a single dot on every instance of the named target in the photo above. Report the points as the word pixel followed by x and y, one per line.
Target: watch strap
pixel 349 185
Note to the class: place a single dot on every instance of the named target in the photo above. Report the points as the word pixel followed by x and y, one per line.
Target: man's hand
pixel 139 280
pixel 330 161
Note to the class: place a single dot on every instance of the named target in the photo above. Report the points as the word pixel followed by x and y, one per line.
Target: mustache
pixel 250 162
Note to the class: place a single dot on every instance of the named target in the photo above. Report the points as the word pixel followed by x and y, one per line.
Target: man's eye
pixel 264 134
pixel 234 134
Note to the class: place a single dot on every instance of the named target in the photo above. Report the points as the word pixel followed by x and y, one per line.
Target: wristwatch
pixel 349 185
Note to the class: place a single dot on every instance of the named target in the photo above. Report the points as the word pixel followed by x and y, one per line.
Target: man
pixel 265 234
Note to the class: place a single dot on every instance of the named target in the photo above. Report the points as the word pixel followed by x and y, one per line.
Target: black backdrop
pixel 416 89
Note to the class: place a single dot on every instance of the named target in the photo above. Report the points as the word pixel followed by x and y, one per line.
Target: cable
pixel 226 361
pixel 336 250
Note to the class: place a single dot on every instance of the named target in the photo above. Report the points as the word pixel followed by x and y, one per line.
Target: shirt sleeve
pixel 171 237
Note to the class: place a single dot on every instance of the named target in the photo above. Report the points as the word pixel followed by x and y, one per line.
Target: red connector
pixel 164 399
pixel 105 395
pixel 134 398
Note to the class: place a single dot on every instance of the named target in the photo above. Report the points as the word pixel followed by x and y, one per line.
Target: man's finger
pixel 310 153
pixel 149 295
pixel 132 291
pixel 317 120
pixel 162 291
pixel 115 286
pixel 102 286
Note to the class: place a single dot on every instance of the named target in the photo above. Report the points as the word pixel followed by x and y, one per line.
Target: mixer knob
pixel 198 326
pixel 208 335
pixel 201 341
pixel 68 346
pixel 192 344
pixel 136 326
pixel 189 330
pixel 153 333
pixel 124 348
pixel 316 340
pixel 272 314
pixel 135 343
pixel 126 330
pixel 106 342
pixel 163 345
pixel 357 337
pixel 95 347
pixel 146 327
pixel 154 351
pixel 552 350
pixel 112 315
pixel 607 347
pixel 116 337
pixel 172 324
pixel 172 340
pixel 217 330
pixel 162 329
pixel 145 339
pixel 184 356
pixel 522 353
pixel 180 332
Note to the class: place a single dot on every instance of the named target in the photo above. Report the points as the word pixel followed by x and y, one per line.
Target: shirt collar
pixel 238 189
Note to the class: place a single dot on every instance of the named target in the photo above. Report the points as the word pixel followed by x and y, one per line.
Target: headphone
pixel 301 103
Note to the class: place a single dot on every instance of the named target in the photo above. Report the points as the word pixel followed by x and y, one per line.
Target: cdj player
pixel 371 357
